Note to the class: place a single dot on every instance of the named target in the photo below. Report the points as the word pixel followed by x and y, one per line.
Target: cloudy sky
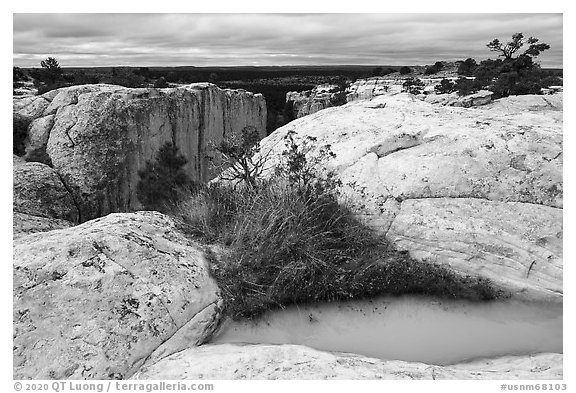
pixel 272 39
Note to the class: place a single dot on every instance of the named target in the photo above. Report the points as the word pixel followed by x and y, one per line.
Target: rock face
pixel 228 361
pixel 25 224
pixel 96 300
pixel 97 137
pixel 482 97
pixel 321 97
pixel 365 89
pixel 310 101
pixel 39 191
pixel 480 189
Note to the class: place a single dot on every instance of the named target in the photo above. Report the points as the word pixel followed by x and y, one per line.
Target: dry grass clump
pixel 288 240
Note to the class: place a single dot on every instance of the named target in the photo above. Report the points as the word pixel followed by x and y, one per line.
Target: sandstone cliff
pixel 479 189
pixel 310 101
pixel 97 137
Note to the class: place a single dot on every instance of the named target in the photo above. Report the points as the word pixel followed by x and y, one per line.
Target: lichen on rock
pixel 96 300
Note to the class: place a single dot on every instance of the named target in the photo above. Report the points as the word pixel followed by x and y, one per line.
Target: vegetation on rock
pixel 237 157
pixel 339 94
pixel 515 74
pixel 413 86
pixel 287 239
pixel 163 182
pixel 444 87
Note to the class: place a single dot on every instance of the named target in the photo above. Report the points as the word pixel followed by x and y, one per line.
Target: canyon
pixel 479 189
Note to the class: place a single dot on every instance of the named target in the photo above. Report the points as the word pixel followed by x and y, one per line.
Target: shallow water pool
pixel 409 328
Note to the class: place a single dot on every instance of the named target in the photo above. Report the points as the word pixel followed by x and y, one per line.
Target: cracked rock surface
pixel 25 224
pixel 230 361
pixel 96 300
pixel 478 188
pixel 97 137
pixel 39 191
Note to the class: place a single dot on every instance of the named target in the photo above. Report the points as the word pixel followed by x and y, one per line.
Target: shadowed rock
pixel 39 191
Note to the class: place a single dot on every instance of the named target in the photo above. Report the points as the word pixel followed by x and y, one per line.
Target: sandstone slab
pixel 492 173
pixel 96 300
pixel 24 224
pixel 234 362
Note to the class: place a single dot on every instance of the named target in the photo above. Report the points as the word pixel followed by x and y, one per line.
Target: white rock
pixel 96 300
pixel 492 173
pixel 228 361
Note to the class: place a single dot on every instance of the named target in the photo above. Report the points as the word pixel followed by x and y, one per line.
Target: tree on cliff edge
pixel 162 181
pixel 238 158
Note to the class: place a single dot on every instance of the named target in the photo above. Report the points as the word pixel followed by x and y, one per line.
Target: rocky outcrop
pixel 228 361
pixel 310 101
pixel 366 89
pixel 480 189
pixel 480 98
pixel 25 224
pixel 95 301
pixel 37 140
pixel 97 137
pixel 39 191
pixel 323 96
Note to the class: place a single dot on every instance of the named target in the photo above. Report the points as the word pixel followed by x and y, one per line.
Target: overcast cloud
pixel 272 39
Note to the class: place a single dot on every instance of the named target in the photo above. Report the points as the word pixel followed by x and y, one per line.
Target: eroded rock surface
pixel 229 361
pixel 478 188
pixel 96 300
pixel 39 191
pixel 311 101
pixel 97 137
pixel 25 224
pixel 366 89
pixel 323 96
